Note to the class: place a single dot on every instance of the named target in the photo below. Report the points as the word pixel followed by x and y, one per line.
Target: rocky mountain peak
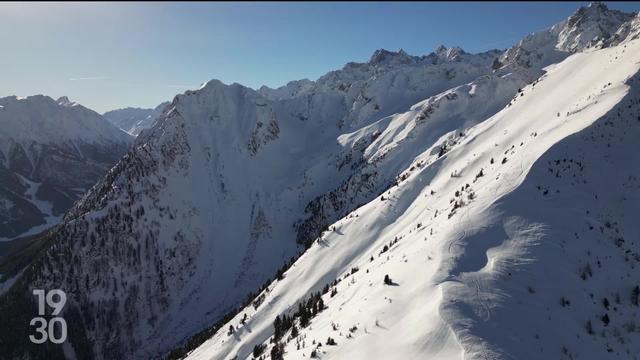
pixel 589 26
pixel 64 101
pixel 386 57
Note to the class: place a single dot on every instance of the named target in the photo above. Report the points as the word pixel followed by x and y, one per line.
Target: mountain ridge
pixel 52 151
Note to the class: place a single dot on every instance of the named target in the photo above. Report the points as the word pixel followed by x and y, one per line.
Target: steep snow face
pixel 503 247
pixel 628 31
pixel 589 27
pixel 216 193
pixel 51 151
pixel 134 120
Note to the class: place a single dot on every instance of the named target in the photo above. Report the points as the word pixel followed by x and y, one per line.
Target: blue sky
pixel 111 55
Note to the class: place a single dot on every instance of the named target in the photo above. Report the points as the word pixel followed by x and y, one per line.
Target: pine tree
pixel 589 328
pixel 258 350
pixel 277 328
pixel 277 351
pixel 304 319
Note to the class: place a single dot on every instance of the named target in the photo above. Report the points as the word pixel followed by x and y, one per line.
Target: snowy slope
pixel 474 282
pixel 134 120
pixel 51 151
pixel 215 193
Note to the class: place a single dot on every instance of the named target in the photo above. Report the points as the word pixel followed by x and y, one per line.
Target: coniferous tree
pixel 589 328
pixel 277 328
pixel 258 350
pixel 387 280
pixel 277 351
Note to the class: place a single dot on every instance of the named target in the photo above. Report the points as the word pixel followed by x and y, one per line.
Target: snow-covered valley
pixel 134 120
pixel 51 152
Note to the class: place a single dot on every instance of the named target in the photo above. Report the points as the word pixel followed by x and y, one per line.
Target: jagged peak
pixel 64 101
pixel 594 10
pixel 32 99
pixel 383 56
pixel 593 25
pixel 590 25
pixel 597 4
pixel 213 83
pixel 216 84
pixel 441 49
pixel 448 53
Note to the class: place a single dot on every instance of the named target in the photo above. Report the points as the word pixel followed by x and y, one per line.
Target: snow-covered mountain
pixel 134 120
pixel 51 152
pixel 464 177
pixel 517 243
pixel 215 193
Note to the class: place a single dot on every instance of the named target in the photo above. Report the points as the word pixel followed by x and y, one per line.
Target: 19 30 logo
pixel 46 330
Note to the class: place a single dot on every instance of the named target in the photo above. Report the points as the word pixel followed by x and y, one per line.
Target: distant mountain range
pixel 51 153
pixel 134 120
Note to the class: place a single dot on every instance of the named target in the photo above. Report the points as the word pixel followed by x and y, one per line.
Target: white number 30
pixel 41 329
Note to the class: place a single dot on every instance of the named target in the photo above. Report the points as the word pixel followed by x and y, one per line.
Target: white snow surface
pixel 487 281
pixel 135 120
pixel 43 120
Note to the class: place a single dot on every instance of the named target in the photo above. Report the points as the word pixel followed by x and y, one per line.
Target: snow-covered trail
pixel 438 256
